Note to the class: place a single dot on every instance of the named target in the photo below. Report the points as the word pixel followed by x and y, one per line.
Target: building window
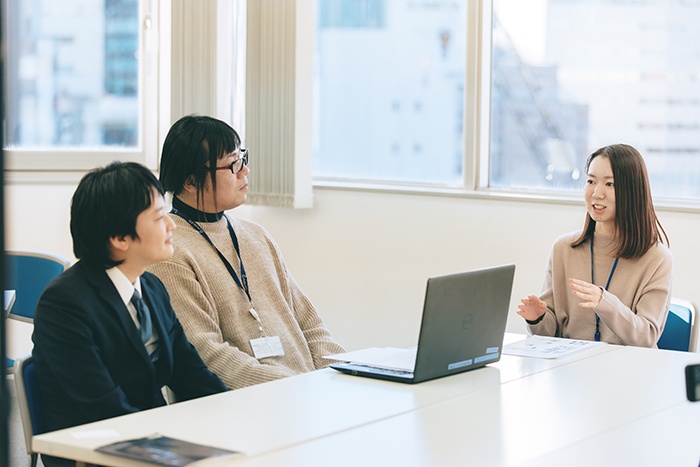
pixel 76 83
pixel 557 80
pixel 390 90
pixel 352 14
pixel 570 76
pixel 121 47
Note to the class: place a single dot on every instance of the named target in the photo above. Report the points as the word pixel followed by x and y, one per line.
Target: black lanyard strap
pixel 242 283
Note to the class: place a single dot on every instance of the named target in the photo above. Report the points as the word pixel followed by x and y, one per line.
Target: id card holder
pixel 265 347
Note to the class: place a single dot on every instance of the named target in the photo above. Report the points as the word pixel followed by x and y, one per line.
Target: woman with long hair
pixel 611 281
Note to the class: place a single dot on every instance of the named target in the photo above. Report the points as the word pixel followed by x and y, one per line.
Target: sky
pixel 525 21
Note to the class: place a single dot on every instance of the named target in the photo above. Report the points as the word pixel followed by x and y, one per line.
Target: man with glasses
pixel 227 280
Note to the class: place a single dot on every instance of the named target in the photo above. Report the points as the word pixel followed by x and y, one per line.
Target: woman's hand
pixel 531 308
pixel 590 294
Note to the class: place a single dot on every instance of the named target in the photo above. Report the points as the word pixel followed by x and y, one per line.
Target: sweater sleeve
pixel 548 325
pixel 642 325
pixel 190 377
pixel 317 336
pixel 199 318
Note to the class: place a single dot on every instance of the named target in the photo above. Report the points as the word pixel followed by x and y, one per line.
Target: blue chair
pixel 29 404
pixel 28 273
pixel 681 330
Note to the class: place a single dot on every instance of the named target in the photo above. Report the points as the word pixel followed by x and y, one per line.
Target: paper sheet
pixel 391 358
pixel 548 347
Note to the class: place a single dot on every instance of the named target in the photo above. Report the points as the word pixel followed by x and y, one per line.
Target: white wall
pixel 363 257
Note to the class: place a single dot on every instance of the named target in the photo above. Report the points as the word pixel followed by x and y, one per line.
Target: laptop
pixel 464 320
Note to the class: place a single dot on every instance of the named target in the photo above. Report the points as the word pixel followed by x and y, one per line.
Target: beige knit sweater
pixel 632 311
pixel 214 311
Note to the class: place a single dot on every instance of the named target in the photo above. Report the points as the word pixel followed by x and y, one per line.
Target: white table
pixel 557 417
pixel 670 437
pixel 516 412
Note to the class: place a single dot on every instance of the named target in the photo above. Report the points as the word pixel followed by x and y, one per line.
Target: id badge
pixel 265 347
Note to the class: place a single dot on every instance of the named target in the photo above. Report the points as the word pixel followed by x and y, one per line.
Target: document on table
pixel 391 358
pixel 163 450
pixel 548 347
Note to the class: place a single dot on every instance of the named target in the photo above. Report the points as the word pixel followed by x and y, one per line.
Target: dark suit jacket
pixel 90 361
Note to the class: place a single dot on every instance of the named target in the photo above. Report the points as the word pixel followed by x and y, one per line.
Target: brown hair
pixel 636 226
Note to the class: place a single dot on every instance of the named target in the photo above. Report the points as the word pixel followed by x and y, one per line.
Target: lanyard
pixel 612 271
pixel 243 281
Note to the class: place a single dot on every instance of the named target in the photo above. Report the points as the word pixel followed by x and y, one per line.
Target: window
pixel 390 90
pixel 557 79
pixel 81 84
pixel 570 76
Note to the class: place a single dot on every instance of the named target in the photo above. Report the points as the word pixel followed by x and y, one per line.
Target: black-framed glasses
pixel 237 165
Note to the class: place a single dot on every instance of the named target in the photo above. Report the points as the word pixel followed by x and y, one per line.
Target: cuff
pixel 537 321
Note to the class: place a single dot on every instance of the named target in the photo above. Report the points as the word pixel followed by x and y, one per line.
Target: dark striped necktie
pixel 144 316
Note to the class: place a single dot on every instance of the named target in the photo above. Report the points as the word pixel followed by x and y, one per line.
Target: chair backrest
pixel 28 400
pixel 28 273
pixel 681 330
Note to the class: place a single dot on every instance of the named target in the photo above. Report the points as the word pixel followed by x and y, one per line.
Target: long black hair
pixel 637 228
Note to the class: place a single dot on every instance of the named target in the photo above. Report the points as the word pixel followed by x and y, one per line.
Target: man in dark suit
pixel 106 340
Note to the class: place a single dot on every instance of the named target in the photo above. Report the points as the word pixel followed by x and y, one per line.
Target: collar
pixel 195 214
pixel 122 284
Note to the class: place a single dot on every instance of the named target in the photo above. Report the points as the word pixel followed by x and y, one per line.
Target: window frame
pixel 475 172
pixel 27 164
pixel 157 50
pixel 476 154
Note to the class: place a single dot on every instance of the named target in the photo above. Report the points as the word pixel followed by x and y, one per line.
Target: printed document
pixel 548 347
